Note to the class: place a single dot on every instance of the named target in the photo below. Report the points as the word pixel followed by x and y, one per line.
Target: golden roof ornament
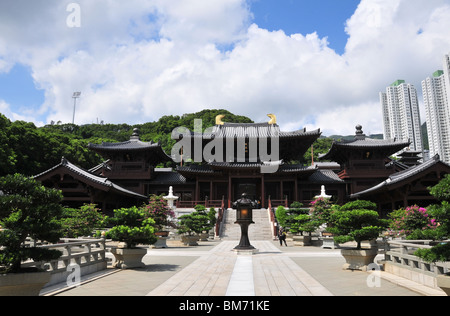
pixel 219 119
pixel 273 119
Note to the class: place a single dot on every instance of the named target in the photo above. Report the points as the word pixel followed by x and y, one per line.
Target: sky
pixel 314 64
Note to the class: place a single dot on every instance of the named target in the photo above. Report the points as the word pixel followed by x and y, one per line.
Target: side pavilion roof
pixel 340 150
pixel 82 175
pixel 401 178
pixel 132 145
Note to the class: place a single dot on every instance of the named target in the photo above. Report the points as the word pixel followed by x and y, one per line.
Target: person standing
pixel 282 236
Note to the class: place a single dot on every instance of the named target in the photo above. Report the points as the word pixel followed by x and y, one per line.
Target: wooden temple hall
pixel 258 159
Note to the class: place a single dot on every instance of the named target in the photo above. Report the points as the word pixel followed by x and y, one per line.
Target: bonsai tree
pixel 160 212
pixel 211 215
pixel 194 223
pixel 299 219
pixel 131 226
pixel 82 221
pixel 356 221
pixel 27 209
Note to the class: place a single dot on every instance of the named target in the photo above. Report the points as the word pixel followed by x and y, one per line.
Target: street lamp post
pixel 244 217
pixel 75 96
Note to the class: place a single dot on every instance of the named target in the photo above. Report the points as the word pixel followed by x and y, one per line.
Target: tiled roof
pixel 325 176
pixel 249 130
pixel 169 178
pixel 401 176
pixel 195 169
pixel 128 145
pixel 104 182
pixel 388 147
pixel 217 167
pixel 134 144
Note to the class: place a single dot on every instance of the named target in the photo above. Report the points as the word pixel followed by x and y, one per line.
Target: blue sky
pixel 326 17
pixel 325 70
pixel 18 88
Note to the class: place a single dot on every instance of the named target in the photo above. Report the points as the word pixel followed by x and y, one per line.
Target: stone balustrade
pixel 400 260
pixel 86 256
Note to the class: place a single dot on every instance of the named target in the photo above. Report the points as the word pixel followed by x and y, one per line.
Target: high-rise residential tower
pixel 436 96
pixel 401 116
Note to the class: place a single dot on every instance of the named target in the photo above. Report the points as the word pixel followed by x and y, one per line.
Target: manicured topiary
pixel 27 209
pixel 356 221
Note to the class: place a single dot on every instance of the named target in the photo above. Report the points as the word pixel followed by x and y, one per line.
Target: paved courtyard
pixel 214 269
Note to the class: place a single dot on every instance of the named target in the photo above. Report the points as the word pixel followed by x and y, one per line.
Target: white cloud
pixel 5 109
pixel 138 60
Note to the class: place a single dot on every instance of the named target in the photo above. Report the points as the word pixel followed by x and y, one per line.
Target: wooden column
pixel 263 199
pixel 296 189
pixel 211 193
pixel 229 191
pixel 197 190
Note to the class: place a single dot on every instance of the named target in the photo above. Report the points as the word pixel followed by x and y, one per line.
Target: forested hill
pixel 30 150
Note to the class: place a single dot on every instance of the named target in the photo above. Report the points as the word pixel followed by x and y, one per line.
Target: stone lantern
pixel 244 217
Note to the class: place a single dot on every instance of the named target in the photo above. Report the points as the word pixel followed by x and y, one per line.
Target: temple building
pixel 364 162
pixel 231 174
pixel 216 166
pixel 80 187
pixel 408 187
pixel 130 164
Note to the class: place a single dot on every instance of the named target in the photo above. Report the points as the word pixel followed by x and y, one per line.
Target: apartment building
pixel 436 95
pixel 401 115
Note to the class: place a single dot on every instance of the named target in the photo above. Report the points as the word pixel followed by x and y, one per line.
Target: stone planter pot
pixel 302 241
pixel 443 282
pixel 23 284
pixel 128 258
pixel 204 237
pixel 190 240
pixel 358 259
pixel 160 243
pixel 328 242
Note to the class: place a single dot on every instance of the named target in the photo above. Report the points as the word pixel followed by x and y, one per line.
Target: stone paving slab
pixel 214 269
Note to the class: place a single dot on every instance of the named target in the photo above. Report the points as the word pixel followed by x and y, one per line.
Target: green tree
pixel 131 226
pixel 30 150
pixel 82 221
pixel 320 146
pixel 281 216
pixel 27 209
pixel 356 221
pixel 196 222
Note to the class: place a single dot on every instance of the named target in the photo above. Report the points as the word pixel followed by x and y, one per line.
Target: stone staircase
pixel 261 230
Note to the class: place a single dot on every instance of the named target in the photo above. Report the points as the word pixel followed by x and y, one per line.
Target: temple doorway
pixel 252 187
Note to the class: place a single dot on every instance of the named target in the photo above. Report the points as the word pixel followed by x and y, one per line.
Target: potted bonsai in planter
pixel 192 225
pixel 27 209
pixel 300 222
pixel 357 221
pixel 207 224
pixel 131 226
pixel 441 231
